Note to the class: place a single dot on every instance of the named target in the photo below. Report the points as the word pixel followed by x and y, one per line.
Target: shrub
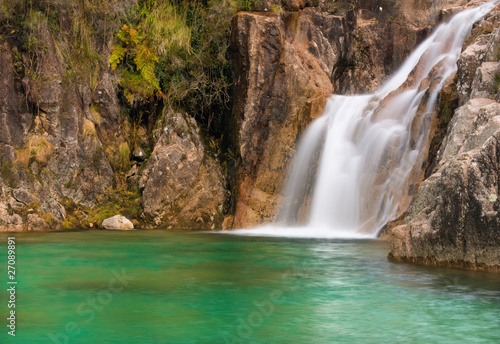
pixel 96 116
pixel 277 9
pixel 174 54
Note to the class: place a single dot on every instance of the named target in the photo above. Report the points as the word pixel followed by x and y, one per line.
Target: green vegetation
pixel 8 172
pixel 167 56
pixel 89 130
pixel 174 55
pixel 34 208
pixel 124 155
pixel 115 201
pixel 447 104
pixel 277 9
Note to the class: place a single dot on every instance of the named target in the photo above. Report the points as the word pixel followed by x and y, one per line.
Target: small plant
pixel 496 86
pixel 49 220
pixel 8 172
pixel 277 9
pixel 246 5
pixel 112 202
pixel 96 116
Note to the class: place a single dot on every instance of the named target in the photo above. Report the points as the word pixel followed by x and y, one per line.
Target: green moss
pixel 50 220
pixel 447 104
pixel 112 202
pixel 124 155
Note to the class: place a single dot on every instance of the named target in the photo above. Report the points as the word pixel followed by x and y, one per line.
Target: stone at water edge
pixel 117 222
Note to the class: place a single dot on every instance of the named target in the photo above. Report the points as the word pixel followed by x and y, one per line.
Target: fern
pixel 146 60
pixel 117 55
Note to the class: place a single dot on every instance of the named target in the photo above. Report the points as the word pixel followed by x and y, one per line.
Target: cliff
pixel 286 65
pixel 454 219
pixel 88 129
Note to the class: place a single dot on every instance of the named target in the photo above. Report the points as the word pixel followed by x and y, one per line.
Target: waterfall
pixel 363 148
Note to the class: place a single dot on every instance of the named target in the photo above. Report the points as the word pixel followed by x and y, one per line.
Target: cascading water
pixel 369 144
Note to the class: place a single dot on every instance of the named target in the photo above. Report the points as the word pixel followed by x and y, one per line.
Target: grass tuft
pixel 37 148
pixel 89 131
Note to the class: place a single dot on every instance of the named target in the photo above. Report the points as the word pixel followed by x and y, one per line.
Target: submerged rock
pixel 117 222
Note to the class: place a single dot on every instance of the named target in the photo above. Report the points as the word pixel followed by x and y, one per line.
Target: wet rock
pixel 117 222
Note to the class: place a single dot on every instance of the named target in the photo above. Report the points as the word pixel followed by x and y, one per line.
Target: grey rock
pixel 454 219
pixel 24 196
pixel 138 154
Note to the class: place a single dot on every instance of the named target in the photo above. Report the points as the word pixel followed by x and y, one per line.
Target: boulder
pixel 117 222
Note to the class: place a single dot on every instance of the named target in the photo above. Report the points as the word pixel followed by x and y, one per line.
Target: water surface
pixel 213 288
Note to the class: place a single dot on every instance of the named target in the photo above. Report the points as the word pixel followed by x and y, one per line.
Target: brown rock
pixel 287 65
pixel 182 185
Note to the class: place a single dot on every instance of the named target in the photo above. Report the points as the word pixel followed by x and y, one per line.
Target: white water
pixel 369 144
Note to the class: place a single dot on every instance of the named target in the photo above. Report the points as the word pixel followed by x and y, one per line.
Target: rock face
pixel 280 87
pixel 67 146
pixel 286 66
pixel 117 222
pixel 55 151
pixel 182 186
pixel 454 219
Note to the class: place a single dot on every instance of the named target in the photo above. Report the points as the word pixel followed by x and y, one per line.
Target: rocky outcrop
pixel 287 64
pixel 67 146
pixel 50 146
pixel 117 222
pixel 182 186
pixel 454 219
pixel 280 87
